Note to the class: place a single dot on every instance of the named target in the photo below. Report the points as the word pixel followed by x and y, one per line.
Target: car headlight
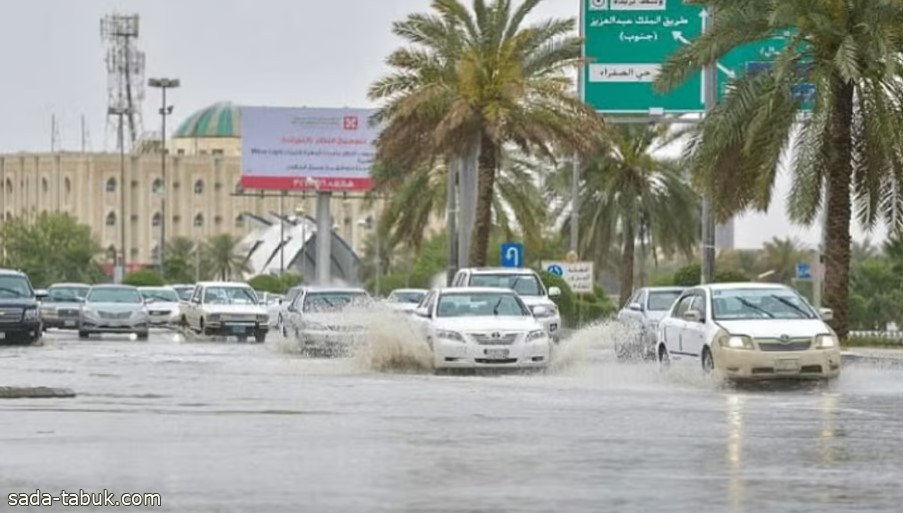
pixel 536 335
pixel 825 341
pixel 31 314
pixel 450 335
pixel 550 311
pixel 48 310
pixel 737 342
pixel 213 318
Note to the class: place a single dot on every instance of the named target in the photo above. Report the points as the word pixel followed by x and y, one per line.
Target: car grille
pixel 114 315
pixel 67 312
pixel 9 315
pixel 777 345
pixel 160 312
pixel 495 338
pixel 239 318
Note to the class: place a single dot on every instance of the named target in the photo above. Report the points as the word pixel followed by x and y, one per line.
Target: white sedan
pixel 468 327
pixel 749 331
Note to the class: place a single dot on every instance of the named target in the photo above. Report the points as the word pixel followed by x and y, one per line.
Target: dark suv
pixel 19 319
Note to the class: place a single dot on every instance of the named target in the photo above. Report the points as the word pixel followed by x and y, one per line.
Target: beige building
pixel 203 171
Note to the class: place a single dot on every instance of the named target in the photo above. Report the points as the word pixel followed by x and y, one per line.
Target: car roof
pixel 12 272
pixel 744 285
pixel 180 285
pixel 113 286
pixel 475 290
pixel 326 288
pixel 222 284
pixel 666 289
pixel 409 290
pixel 58 285
pixel 499 270
pixel 156 287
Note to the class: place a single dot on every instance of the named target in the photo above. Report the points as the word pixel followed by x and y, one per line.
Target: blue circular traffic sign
pixel 556 270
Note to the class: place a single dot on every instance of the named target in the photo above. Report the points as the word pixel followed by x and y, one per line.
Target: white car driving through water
pixel 324 322
pixel 163 305
pixel 482 327
pixel 641 315
pixel 405 300
pixel 226 309
pixel 749 331
pixel 528 286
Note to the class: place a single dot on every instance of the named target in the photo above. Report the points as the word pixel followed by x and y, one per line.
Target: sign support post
pixel 707 273
pixel 324 237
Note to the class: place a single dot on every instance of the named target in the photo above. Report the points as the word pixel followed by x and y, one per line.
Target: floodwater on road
pixel 227 427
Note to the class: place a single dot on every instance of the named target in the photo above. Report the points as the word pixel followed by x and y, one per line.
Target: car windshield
pixel 523 284
pixel 160 295
pixel 15 286
pixel 480 304
pixel 332 301
pixel 662 300
pixel 184 292
pixel 766 303
pixel 66 294
pixel 114 295
pixel 411 297
pixel 230 296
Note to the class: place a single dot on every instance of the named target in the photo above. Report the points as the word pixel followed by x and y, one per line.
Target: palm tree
pixel 849 50
pixel 627 195
pixel 862 251
pixel 180 260
pixel 222 256
pixel 417 197
pixel 781 256
pixel 474 80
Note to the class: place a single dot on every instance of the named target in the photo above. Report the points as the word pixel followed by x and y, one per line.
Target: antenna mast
pixel 125 74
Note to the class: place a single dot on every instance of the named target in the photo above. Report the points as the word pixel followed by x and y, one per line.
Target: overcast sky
pixel 253 52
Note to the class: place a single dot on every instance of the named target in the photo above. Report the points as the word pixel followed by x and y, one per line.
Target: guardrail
pixel 891 337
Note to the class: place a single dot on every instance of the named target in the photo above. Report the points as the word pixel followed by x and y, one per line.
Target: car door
pixel 628 316
pixel 693 336
pixel 672 327
pixel 293 313
pixel 194 307
pixel 423 324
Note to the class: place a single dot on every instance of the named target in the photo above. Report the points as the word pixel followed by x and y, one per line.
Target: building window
pixel 218 186
pixel 218 220
pixel 199 187
pixel 9 186
pixel 45 186
pixel 9 215
pixel 155 253
pixel 111 185
pixel 67 185
pixel 176 219
pixel 199 220
pixel 157 187
pixel 216 152
pixel 134 217
pixel 157 219
pixel 240 221
pixel 111 253
pixel 134 184
pixel 180 151
pixel 134 253
pixel 111 219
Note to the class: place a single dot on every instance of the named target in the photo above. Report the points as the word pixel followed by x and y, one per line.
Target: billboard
pixel 302 148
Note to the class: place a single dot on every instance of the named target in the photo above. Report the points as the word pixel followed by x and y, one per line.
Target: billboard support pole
pixel 324 237
pixel 707 272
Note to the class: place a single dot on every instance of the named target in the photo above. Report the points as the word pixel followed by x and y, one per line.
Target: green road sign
pixel 626 41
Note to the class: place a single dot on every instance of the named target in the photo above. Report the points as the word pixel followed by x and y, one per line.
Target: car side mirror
pixel 636 307
pixel 826 314
pixel 40 294
pixel 554 291
pixel 693 316
pixel 422 312
pixel 541 311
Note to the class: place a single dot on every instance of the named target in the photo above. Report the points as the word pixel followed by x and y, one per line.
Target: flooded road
pixel 216 427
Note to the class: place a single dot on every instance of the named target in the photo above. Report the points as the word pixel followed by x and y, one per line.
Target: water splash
pixel 393 344
pixel 588 345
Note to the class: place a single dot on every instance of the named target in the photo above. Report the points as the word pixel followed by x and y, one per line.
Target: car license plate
pixel 496 354
pixel 237 329
pixel 69 324
pixel 2 335
pixel 787 366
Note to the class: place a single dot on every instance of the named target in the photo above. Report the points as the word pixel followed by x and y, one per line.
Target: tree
pixel 53 248
pixel 781 256
pixel 223 257
pixel 849 52
pixel 691 275
pixel 273 283
pixel 144 278
pixel 473 80
pixel 181 265
pixel 629 196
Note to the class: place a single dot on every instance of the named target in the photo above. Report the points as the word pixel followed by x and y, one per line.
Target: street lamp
pixel 121 112
pixel 163 84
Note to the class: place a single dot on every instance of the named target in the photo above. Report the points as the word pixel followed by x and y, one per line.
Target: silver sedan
pixel 113 309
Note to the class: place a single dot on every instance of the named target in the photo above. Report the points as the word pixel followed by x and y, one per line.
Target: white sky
pixel 263 52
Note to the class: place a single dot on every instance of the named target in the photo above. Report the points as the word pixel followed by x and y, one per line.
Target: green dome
pixel 218 120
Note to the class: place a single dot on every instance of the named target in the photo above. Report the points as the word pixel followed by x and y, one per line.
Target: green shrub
pixel 566 302
pixel 273 283
pixel 387 283
pixel 691 275
pixel 144 278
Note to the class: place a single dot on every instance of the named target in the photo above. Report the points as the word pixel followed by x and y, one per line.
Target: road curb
pixel 35 393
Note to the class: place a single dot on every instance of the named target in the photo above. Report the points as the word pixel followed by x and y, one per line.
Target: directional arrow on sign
pixel 679 36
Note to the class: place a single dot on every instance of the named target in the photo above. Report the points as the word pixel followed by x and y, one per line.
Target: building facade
pixel 204 198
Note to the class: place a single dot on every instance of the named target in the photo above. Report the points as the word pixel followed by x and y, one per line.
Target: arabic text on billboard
pixel 301 148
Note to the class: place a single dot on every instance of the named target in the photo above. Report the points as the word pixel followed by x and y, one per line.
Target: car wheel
pixel 708 363
pixel 142 335
pixel 260 337
pixel 664 360
pixel 83 335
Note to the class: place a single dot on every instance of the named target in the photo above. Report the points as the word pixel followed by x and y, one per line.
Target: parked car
pixel 481 327
pixel 226 309
pixel 184 291
pixel 749 331
pixel 62 305
pixel 405 300
pixel 163 305
pixel 19 319
pixel 113 309
pixel 641 315
pixel 528 286
pixel 320 321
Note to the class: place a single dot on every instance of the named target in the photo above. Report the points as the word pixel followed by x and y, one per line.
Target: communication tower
pixel 125 76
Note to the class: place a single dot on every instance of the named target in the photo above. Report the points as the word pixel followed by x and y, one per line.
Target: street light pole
pixel 707 273
pixel 121 112
pixel 163 84
pixel 282 233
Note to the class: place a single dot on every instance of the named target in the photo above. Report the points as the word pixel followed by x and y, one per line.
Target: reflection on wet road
pixel 246 428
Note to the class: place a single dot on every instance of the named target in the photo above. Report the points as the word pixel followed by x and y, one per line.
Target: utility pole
pixel 282 233
pixel 120 272
pixel 707 274
pixel 163 84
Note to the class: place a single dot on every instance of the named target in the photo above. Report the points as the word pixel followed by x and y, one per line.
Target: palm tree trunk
pixel 838 240
pixel 627 261
pixel 482 227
